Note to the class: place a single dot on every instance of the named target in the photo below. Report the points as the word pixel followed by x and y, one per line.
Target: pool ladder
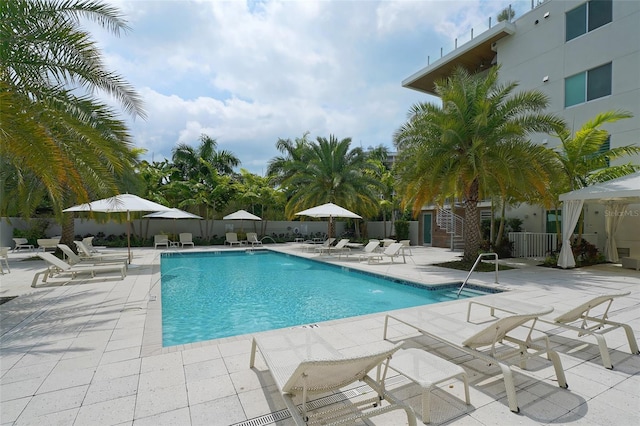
pixel 480 256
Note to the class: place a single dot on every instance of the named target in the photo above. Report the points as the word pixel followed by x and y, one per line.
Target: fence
pixel 539 244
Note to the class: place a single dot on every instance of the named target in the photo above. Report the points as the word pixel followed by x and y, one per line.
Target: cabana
pixel 616 194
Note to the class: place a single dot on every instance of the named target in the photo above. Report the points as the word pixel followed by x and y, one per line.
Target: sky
pixel 247 73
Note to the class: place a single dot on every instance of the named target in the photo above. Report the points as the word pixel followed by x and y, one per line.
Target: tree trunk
pixel 472 224
pixel 68 231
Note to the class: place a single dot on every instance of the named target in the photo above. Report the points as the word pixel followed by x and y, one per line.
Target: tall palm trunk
pixel 68 230
pixel 472 223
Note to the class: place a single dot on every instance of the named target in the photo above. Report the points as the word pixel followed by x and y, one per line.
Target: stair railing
pixel 480 256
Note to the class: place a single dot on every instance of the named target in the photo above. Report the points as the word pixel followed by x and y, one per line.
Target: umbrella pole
pixel 129 236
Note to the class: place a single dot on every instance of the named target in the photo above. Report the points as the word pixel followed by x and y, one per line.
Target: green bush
pixel 402 229
pixel 37 229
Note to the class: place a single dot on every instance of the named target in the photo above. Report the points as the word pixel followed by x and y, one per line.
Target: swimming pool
pixel 210 295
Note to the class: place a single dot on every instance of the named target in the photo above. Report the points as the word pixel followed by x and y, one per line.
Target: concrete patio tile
pixel 235 347
pixel 236 362
pixel 17 374
pixel 624 401
pixel 161 379
pixel 199 354
pixel 251 379
pixel 181 416
pixel 10 410
pixel 209 389
pixel 117 369
pixel 160 400
pixel 114 345
pixel 51 402
pixel 219 412
pixel 256 402
pixel 108 412
pixel 602 413
pixel 21 389
pixel 205 370
pixel 111 389
pixel 65 378
pixel 120 355
pixel 161 362
pixel 58 418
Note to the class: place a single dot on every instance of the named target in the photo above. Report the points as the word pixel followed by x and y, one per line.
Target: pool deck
pixel 88 352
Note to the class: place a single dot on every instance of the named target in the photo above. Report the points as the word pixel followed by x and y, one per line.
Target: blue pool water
pixel 212 295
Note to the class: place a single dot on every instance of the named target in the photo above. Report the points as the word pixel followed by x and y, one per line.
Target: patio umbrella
pixel 242 215
pixel 172 214
pixel 329 210
pixel 119 204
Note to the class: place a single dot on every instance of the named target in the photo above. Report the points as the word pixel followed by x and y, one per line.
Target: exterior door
pixel 426 228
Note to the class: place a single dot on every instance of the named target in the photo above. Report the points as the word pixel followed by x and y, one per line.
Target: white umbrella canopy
pixel 120 204
pixel 242 215
pixel 172 214
pixel 329 210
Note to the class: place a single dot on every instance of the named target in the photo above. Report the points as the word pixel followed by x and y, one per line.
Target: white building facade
pixel 585 55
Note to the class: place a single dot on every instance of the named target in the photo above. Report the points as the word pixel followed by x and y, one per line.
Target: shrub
pixel 402 229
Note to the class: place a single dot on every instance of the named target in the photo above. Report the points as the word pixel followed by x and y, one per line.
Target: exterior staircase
pixel 453 225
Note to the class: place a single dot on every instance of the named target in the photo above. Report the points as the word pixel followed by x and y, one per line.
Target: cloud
pixel 248 73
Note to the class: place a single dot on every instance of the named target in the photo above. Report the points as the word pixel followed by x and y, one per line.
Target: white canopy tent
pixel 616 194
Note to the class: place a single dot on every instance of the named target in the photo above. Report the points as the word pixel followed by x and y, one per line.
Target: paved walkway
pixel 87 352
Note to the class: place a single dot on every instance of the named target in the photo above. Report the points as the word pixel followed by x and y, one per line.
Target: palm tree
pixel 328 171
pixel 464 148
pixel 54 132
pixel 197 162
pixel 584 156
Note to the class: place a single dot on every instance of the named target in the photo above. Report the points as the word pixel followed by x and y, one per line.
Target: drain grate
pixel 276 416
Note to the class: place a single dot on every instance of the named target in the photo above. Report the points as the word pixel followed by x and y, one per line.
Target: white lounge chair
pixel 311 245
pixel 4 254
pixel 584 318
pixel 392 251
pixel 303 364
pixel 407 247
pixel 371 247
pixel 22 243
pixel 85 253
pixel 186 239
pixel 493 343
pixel 252 238
pixel 88 241
pixel 232 238
pixel 161 240
pixel 74 259
pixel 341 246
pixel 59 266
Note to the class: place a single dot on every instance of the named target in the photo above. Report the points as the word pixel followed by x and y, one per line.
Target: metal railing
pixel 480 256
pixel 539 244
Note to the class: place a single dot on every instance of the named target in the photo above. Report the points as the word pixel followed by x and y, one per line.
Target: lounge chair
pixel 232 238
pixel 85 253
pixel 584 318
pixel 4 254
pixel 371 247
pixel 407 247
pixel 74 259
pixel 252 238
pixel 59 266
pixel 186 239
pixel 22 243
pixel 161 240
pixel 340 247
pixel 493 343
pixel 312 245
pixel 303 364
pixel 392 251
pixel 48 243
pixel 88 241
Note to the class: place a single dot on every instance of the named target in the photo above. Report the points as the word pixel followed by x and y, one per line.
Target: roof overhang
pixel 474 55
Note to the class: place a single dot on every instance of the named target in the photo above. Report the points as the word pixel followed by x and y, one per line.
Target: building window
pixel 587 17
pixel 586 86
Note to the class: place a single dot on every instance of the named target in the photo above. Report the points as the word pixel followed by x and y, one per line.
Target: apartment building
pixel 586 56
